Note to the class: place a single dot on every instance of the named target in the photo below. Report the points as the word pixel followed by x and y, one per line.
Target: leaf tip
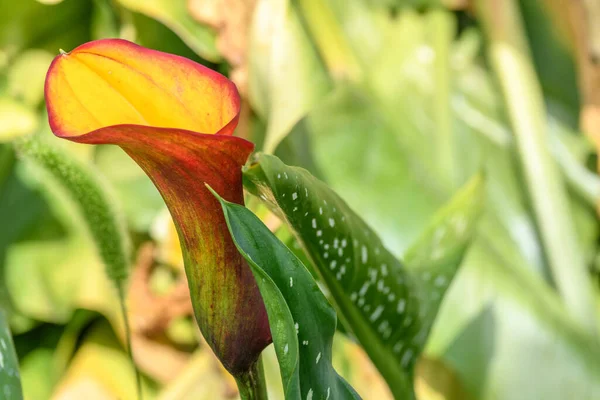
pixel 210 189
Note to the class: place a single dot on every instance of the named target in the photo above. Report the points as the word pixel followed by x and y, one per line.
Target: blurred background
pixel 395 104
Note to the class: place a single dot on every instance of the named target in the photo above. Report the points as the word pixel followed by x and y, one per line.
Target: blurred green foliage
pixel 395 104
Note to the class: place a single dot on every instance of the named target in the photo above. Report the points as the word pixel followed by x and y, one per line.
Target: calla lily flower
pixel 175 118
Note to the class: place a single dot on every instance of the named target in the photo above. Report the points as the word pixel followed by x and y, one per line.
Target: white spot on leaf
pixel 406 358
pixel 363 289
pixel 376 314
pixel 384 270
pixel 440 281
pixel 398 347
pixel 401 306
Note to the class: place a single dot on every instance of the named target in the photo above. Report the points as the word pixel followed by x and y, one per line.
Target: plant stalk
pixel 330 40
pixel 251 384
pixel 442 28
pixel 138 377
pixel 510 58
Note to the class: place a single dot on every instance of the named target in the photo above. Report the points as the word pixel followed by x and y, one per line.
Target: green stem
pixel 330 40
pixel 252 384
pixel 442 28
pixel 511 60
pixel 138 377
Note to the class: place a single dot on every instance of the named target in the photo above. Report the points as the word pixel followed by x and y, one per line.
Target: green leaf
pixel 399 200
pixel 508 337
pixel 105 22
pixel 389 308
pixel 38 376
pixel 552 51
pixel 302 321
pixel 40 277
pixel 30 24
pixel 175 15
pixel 328 36
pixel 26 76
pixel 17 119
pixel 286 76
pixel 444 242
pixel 375 133
pixel 28 218
pixel 346 33
pixel 43 247
pixel 10 382
pixel 153 34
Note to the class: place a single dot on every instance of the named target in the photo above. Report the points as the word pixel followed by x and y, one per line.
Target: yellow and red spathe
pixel 175 118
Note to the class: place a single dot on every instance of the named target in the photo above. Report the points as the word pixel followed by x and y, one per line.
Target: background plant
pixel 395 105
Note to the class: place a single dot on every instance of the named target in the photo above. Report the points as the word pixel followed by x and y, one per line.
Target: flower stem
pixel 138 377
pixel 252 384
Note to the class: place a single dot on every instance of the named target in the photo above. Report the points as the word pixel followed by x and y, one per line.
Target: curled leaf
pixel 302 321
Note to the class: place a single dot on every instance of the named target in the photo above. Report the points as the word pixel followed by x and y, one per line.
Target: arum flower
pixel 175 118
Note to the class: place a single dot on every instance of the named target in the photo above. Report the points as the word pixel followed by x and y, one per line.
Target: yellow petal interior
pixel 95 88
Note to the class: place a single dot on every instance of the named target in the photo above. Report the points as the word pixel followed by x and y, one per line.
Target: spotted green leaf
pixel 388 307
pixel 10 381
pixel 301 319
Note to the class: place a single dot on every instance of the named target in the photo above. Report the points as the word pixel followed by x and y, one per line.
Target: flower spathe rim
pixel 227 129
